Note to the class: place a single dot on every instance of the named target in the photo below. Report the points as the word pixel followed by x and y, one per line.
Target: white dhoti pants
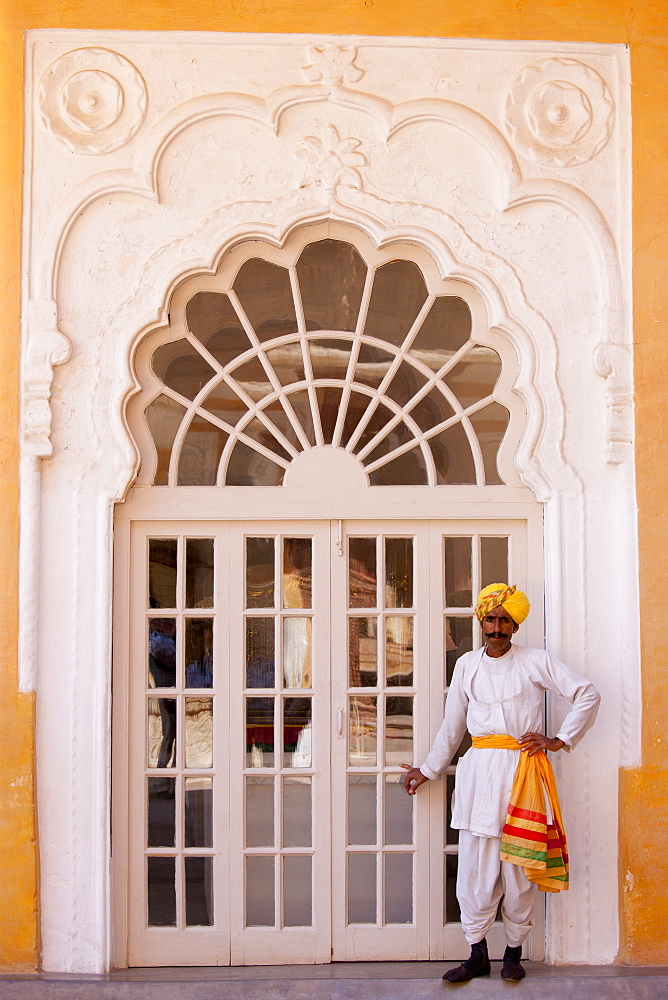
pixel 482 878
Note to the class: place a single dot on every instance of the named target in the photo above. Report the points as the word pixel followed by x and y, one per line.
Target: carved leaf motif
pixel 333 64
pixel 332 160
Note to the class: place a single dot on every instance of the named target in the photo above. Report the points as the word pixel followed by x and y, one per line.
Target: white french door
pixel 271 678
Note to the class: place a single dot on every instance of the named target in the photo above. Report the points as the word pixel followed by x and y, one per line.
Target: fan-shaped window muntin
pixel 415 399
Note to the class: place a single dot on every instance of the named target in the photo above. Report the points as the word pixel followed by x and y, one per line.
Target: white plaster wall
pixel 148 156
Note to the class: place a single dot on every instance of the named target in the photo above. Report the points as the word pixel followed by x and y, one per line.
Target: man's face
pixel 498 629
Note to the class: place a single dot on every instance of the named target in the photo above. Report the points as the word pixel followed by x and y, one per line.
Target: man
pixel 507 841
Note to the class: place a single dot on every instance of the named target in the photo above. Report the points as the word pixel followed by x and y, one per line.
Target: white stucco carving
pixel 252 137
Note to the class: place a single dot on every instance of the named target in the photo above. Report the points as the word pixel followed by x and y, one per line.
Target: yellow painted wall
pixel 644 26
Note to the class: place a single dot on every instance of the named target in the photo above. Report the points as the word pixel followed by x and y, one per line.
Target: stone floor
pixel 349 981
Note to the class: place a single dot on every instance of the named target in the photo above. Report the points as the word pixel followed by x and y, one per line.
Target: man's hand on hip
pixel 535 742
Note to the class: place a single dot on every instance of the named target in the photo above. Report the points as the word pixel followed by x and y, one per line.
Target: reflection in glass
pixel 259 732
pixel 181 367
pixel 451 906
pixel 408 469
pixel 248 467
pixel 253 379
pixel 161 892
pixel 398 651
pixel 288 363
pixel 362 809
pixel 259 892
pixel 329 401
pixel 297 572
pixel 297 652
pixel 432 410
pixel 212 319
pixel 490 425
pixel 493 561
pixel 198 812
pixel 458 587
pixel 407 381
pixel 297 904
pixel 259 812
pixel 260 653
pixel 361 888
pixel 266 437
pixel 162 652
pixel 398 572
pixel 223 402
pixel 398 811
pixel 330 358
pixel 363 652
pixel 378 421
pixel 161 724
pixel 452 457
pixel 398 888
pixel 362 572
pixel 199 652
pixel 398 730
pixel 199 892
pixel 265 293
pixel 199 732
pixel 297 750
pixel 300 402
pixel 259 572
pixel 458 640
pixel 297 811
pixel 443 332
pixel 331 281
pixel 398 294
pixel 164 416
pixel 399 435
pixel 357 405
pixel 162 572
pixel 474 377
pixel 200 453
pixel 280 419
pixel 373 364
pixel 199 572
pixel 363 734
pixel 161 826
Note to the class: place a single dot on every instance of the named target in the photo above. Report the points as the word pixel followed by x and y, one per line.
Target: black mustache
pixel 494 635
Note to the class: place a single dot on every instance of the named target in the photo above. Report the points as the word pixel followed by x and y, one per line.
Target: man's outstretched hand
pixel 414 778
pixel 535 742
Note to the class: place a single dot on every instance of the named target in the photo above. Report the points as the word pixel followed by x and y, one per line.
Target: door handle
pixel 339 723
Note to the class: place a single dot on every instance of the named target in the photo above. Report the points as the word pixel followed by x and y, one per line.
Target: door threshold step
pixel 349 981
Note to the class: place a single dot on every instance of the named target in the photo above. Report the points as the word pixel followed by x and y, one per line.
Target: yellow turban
pixel 513 600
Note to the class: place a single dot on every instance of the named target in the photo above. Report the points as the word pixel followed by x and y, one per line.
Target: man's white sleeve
pixel 452 730
pixel 578 690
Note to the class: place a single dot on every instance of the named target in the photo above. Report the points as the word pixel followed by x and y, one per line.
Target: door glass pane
pixel 362 809
pixel 161 892
pixel 493 561
pixel 452 457
pixel 297 894
pixel 357 405
pixel 432 410
pixel 265 293
pixel 297 812
pixel 361 888
pixel 458 571
pixel 199 732
pixel 259 732
pixel 297 653
pixel 490 425
pixel 363 736
pixel 458 640
pixel 248 467
pixel 260 652
pixel 331 280
pixel 474 377
pixel 297 732
pixel 260 892
pixel 406 382
pixel 198 812
pixel 297 572
pixel 398 730
pixel 398 811
pixel 199 652
pixel 398 294
pixel 363 652
pixel 251 377
pixel 445 329
pixel 329 401
pixel 199 572
pixel 300 402
pixel 226 404
pixel 451 906
pixel 162 652
pixel 161 826
pixel 259 572
pixel 164 416
pixel 398 650
pixel 408 469
pixel 200 453
pixel 451 836
pixel 161 724
pixel 288 363
pixel 199 892
pixel 259 812
pixel 398 888
pixel 211 318
pixel 398 572
pixel 330 358
pixel 181 367
pixel 162 572
pixel 362 570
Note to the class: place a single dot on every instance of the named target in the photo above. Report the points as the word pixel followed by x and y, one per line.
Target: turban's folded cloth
pixel 513 600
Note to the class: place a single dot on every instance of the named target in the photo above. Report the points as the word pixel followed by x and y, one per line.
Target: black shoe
pixel 476 965
pixel 512 970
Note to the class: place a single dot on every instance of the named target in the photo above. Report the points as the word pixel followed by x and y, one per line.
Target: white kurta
pixel 502 695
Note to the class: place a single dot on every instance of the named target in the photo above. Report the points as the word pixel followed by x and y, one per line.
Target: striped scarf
pixel 529 839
